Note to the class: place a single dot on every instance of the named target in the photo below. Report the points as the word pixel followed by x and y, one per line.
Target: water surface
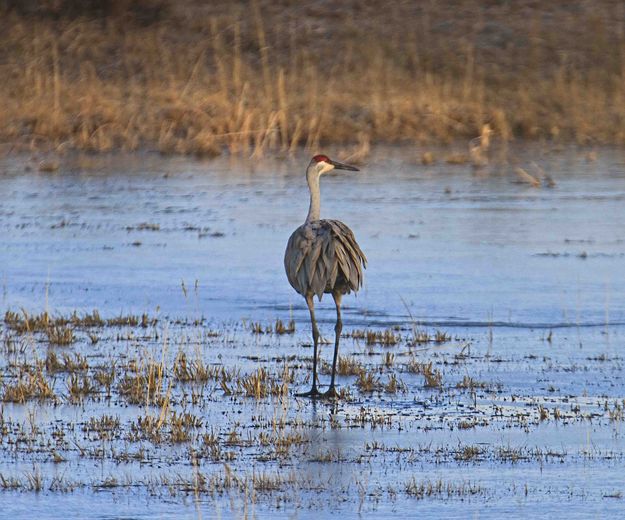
pixel 527 283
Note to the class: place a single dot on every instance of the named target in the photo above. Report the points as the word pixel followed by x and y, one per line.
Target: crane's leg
pixel 315 333
pixel 331 392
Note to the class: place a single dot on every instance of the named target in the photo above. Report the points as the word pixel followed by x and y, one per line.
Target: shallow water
pixel 451 245
pixel 528 282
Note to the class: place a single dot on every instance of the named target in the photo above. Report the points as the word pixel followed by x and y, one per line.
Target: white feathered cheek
pixel 325 168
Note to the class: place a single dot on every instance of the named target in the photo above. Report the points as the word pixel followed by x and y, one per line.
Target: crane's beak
pixel 341 166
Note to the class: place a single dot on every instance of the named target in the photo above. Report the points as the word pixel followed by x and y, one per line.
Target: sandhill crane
pixel 478 147
pixel 322 256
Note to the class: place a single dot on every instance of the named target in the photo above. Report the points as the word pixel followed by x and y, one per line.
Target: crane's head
pixel 321 164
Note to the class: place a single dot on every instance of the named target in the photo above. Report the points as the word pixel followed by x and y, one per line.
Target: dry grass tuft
pixel 345 366
pixel 367 382
pixel 433 377
pixel 143 383
pixel 29 385
pixel 421 336
pixel 278 328
pixel 387 337
pixel 468 383
pixel 190 371
pixel 79 386
pixel 421 489
pixel 260 384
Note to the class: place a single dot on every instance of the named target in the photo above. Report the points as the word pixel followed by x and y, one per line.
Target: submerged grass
pixel 157 419
pixel 203 78
pixel 29 385
pixel 433 377
pixel 60 329
pixel 421 489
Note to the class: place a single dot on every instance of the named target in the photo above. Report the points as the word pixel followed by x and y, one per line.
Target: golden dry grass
pixel 252 76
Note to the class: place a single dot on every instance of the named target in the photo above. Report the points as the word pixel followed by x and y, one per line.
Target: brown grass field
pixel 247 77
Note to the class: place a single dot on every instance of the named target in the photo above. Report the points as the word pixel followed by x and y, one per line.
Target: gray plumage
pixel 322 256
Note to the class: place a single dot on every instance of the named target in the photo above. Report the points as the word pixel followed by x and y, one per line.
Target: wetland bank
pixel 149 362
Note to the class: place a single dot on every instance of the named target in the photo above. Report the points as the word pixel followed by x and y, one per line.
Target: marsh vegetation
pixel 167 411
pixel 251 77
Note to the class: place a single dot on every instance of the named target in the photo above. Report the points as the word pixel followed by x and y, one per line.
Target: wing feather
pixel 323 256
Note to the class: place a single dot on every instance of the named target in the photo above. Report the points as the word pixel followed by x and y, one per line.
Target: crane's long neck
pixel 315 197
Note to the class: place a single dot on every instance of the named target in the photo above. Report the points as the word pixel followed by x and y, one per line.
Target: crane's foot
pixel 331 393
pixel 313 393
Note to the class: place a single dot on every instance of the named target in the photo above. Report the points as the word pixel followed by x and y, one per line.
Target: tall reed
pixel 248 78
